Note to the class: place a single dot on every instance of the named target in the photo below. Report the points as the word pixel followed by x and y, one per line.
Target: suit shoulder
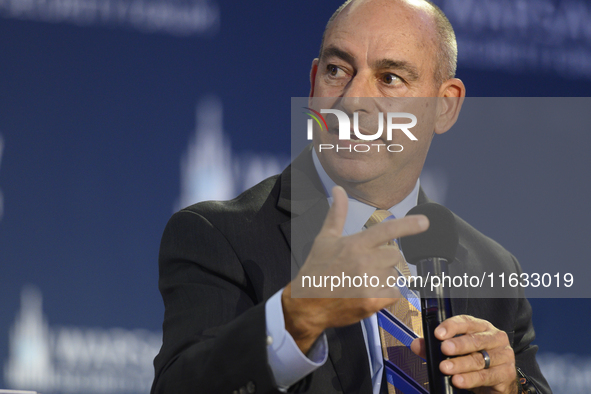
pixel 247 204
pixel 482 245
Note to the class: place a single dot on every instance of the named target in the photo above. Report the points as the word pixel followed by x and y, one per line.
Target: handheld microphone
pixel 432 251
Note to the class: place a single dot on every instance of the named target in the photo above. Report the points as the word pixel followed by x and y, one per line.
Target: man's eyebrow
pixel 411 71
pixel 332 51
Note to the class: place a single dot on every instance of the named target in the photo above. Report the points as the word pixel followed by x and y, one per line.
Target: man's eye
pixel 390 79
pixel 333 70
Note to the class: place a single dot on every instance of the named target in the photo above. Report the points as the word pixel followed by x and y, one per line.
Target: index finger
pixel 384 232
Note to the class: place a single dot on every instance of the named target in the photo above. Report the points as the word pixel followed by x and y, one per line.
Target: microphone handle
pixel 435 308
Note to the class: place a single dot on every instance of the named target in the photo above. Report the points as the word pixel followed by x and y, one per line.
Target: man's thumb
pixel 337 214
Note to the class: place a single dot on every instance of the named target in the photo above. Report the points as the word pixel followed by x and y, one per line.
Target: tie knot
pixel 378 216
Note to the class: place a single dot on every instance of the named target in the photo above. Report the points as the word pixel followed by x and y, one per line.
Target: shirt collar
pixel 359 212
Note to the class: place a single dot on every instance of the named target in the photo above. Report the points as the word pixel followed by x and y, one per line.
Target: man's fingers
pixel 383 232
pixel 464 334
pixel 469 343
pixel 337 214
pixel 475 361
pixel 377 235
pixel 502 378
pixel 461 324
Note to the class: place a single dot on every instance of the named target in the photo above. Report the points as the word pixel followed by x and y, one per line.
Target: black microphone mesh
pixel 440 240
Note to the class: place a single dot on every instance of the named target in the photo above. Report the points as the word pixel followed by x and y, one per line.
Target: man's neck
pixel 408 194
pixel 375 194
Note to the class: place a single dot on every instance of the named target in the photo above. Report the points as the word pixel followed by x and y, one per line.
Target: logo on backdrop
pixel 76 359
pixel 210 169
pixel 345 130
pixel 499 34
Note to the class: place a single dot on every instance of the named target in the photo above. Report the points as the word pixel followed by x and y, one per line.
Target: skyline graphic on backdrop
pixel 210 169
pixel 76 359
pixel 176 17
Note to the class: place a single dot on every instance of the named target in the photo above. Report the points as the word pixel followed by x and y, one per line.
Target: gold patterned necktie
pixel 399 324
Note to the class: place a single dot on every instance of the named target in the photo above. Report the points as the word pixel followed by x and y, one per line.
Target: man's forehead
pixel 386 16
pixel 382 27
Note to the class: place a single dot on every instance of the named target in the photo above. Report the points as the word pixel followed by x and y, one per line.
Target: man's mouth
pixel 352 135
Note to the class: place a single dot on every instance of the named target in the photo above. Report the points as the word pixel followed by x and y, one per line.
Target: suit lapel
pixel 459 295
pixel 301 231
pixel 348 355
pixel 302 195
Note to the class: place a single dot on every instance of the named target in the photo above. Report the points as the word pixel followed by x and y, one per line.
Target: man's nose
pixel 356 96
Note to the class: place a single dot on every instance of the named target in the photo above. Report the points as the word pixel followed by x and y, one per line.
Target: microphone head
pixel 440 239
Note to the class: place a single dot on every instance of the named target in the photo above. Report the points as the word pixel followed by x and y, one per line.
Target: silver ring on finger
pixel 486 358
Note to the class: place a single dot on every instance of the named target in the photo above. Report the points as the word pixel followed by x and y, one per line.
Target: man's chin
pixel 351 168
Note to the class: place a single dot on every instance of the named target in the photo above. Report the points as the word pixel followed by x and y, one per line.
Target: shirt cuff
pixel 286 360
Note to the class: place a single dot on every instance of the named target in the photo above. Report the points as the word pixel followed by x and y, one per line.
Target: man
pixel 231 324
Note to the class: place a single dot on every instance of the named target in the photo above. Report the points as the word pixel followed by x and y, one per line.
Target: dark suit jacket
pixel 220 261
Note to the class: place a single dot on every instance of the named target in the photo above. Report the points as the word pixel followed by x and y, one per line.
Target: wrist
pixel 298 321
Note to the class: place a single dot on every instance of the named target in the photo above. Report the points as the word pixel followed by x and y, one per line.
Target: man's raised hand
pixel 362 254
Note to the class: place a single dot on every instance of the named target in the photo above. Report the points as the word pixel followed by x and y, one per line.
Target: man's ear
pixel 451 97
pixel 313 72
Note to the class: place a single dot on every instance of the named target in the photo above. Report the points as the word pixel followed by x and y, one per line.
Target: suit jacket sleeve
pixel 525 352
pixel 214 337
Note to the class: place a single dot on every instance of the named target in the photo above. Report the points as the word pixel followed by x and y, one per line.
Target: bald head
pixel 440 33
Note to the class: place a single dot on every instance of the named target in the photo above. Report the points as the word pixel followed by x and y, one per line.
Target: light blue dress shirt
pixel 287 362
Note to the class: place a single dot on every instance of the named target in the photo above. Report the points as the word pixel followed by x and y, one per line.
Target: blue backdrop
pixel 114 113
